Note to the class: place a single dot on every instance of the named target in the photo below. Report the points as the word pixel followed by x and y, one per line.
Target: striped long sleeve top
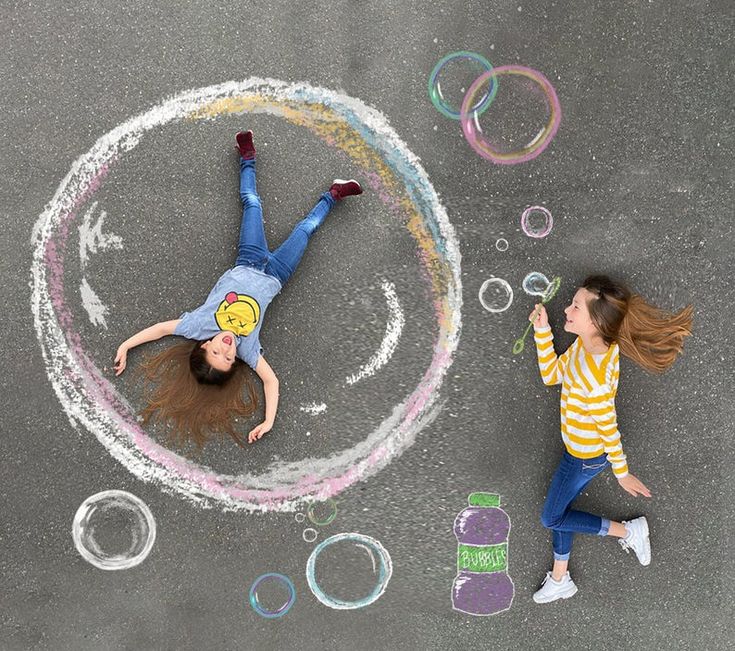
pixel 589 425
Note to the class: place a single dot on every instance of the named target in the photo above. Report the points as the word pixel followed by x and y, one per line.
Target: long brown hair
pixel 197 402
pixel 648 335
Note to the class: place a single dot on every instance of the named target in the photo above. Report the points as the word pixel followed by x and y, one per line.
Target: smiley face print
pixel 238 313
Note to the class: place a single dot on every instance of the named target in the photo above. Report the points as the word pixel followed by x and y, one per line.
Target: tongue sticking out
pixel 227 340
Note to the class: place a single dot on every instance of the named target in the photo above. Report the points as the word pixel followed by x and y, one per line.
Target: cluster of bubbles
pixel 115 530
pixel 345 571
pixel 509 114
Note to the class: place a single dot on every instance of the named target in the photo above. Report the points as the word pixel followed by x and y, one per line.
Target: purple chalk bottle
pixel 482 585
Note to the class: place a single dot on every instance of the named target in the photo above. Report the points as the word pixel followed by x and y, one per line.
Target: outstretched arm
pixel 148 334
pixel 551 366
pixel 270 388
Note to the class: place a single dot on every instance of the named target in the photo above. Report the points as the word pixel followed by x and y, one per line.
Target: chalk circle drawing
pixel 390 170
pixel 114 530
pixel 348 544
pixel 536 221
pixel 501 244
pixel 322 513
pixel 300 517
pixel 536 284
pixel 482 585
pixel 310 534
pixel 268 583
pixel 495 295
pixel 473 131
pixel 393 330
pixel 451 76
pixel 551 290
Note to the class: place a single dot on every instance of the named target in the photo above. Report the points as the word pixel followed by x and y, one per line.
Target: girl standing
pixel 200 385
pixel 609 320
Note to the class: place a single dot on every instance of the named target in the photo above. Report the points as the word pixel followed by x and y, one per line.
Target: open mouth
pixel 227 340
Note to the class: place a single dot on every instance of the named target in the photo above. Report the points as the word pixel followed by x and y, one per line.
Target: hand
pixel 121 359
pixel 634 486
pixel 542 320
pixel 258 431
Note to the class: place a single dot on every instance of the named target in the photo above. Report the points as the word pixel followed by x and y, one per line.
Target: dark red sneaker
pixel 245 144
pixel 341 188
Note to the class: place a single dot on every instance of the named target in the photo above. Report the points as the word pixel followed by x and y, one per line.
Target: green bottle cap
pixel 484 499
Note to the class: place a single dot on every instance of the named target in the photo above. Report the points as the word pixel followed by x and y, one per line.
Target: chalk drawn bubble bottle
pixel 482 585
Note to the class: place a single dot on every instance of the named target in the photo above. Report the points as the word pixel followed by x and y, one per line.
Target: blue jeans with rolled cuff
pixel 569 480
pixel 253 248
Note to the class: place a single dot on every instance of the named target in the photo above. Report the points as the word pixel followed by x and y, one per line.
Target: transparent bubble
pixel 272 595
pixel 348 571
pixel 535 284
pixel 322 513
pixel 309 535
pixel 496 295
pixel 520 122
pixel 536 221
pixel 450 79
pixel 114 530
pixel 299 517
pixel 501 244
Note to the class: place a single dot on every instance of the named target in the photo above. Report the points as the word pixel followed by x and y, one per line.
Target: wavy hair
pixel 646 334
pixel 194 399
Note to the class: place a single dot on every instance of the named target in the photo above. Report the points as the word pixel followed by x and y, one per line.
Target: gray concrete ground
pixel 639 180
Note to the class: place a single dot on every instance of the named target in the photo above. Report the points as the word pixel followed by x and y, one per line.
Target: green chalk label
pixel 482 558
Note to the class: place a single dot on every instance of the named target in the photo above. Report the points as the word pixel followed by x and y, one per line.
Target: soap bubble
pixel 309 535
pixel 535 284
pixel 496 295
pixel 522 121
pixel 299 517
pixel 536 221
pixel 322 513
pixel 114 530
pixel 272 595
pixel 501 244
pixel 349 570
pixel 450 79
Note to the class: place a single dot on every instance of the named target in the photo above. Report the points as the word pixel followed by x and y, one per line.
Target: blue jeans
pixel 253 249
pixel 570 478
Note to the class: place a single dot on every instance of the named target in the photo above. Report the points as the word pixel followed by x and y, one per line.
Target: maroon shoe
pixel 341 189
pixel 245 144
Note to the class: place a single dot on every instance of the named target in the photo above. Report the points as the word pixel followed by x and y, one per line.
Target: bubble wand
pixel 548 294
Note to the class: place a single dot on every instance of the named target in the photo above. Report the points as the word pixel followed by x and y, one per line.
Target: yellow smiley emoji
pixel 238 313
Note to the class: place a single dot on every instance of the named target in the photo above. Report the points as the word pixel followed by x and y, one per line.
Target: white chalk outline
pixel 393 330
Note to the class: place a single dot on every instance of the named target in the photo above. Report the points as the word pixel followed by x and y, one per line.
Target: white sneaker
pixel 551 590
pixel 637 539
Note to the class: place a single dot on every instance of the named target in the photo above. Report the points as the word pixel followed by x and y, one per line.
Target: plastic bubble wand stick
pixel 548 294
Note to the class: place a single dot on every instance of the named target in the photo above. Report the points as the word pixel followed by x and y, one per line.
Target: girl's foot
pixel 341 189
pixel 552 590
pixel 637 539
pixel 245 144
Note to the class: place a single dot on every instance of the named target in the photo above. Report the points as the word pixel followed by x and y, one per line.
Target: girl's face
pixel 578 317
pixel 219 351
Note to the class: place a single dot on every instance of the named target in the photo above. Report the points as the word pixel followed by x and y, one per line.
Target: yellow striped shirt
pixel 589 425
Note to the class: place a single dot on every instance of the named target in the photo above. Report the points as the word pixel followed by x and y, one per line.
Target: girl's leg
pixel 617 529
pixel 252 248
pixel 284 260
pixel 570 478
